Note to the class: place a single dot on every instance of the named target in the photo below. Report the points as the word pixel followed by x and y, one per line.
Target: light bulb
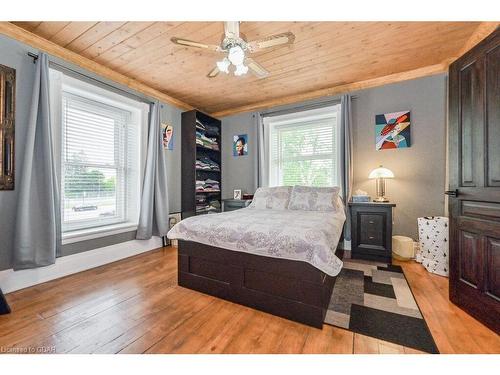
pixel 223 65
pixel 240 70
pixel 236 55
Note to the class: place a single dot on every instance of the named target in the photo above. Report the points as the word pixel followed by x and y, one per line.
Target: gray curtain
pixel 262 166
pixel 346 155
pixel 37 238
pixel 153 218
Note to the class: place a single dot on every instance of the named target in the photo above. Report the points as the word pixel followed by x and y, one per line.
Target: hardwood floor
pixel 135 306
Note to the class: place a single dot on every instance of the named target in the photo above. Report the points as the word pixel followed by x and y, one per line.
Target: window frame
pixel 120 153
pixel 314 117
pixel 139 111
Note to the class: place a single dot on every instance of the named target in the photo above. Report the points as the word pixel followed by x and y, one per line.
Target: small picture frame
pixel 172 220
pixel 237 194
pixel 167 132
pixel 240 145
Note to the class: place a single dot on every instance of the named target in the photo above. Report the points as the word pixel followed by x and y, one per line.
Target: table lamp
pixel 381 174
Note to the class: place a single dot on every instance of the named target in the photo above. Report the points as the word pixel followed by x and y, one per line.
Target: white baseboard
pixel 11 280
pixel 347 245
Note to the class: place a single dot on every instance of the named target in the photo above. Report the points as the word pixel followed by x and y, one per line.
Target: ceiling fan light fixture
pixel 236 48
pixel 236 55
pixel 241 70
pixel 223 65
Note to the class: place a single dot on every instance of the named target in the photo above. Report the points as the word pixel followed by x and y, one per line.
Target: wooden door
pixel 474 188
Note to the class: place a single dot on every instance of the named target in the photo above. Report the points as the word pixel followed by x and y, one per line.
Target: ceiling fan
pixel 236 49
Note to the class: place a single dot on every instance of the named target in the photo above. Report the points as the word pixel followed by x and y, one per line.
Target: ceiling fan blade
pixel 256 68
pixel 232 29
pixel 272 41
pixel 213 73
pixel 190 43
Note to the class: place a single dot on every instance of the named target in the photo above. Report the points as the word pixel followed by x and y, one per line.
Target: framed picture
pixel 237 194
pixel 172 220
pixel 240 145
pixel 392 130
pixel 167 133
pixel 7 120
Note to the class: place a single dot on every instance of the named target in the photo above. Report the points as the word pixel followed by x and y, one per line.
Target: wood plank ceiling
pixel 324 55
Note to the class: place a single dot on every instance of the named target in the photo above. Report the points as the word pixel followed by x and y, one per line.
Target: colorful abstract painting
pixel 392 130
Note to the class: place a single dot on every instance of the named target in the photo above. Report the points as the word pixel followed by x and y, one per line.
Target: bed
pixel 280 261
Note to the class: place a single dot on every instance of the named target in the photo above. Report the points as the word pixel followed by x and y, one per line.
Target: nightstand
pixel 234 204
pixel 371 231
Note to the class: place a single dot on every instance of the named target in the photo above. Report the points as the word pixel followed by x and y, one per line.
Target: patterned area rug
pixel 374 299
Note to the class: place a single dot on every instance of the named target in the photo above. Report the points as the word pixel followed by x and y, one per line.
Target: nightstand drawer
pixel 372 229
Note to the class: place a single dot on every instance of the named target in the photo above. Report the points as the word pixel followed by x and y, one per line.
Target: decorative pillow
pixel 310 198
pixel 274 198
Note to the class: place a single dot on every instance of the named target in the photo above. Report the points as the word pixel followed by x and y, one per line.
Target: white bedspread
pixel 308 236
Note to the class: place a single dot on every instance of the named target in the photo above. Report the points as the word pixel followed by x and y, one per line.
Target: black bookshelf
pixel 190 152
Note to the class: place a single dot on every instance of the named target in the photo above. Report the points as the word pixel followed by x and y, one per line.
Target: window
pixel 303 148
pixel 100 157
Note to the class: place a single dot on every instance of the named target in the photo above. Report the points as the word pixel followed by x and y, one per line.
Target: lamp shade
pixel 381 172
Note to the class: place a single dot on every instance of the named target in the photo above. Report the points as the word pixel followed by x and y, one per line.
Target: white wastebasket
pixel 402 248
pixel 433 239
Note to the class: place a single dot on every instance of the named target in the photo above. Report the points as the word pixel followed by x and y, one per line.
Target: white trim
pixel 11 280
pixel 310 119
pixel 304 116
pixel 97 232
pixel 347 245
pixel 139 112
pixel 101 94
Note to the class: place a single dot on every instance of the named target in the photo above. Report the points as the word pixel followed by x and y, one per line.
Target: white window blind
pixel 100 152
pixel 304 150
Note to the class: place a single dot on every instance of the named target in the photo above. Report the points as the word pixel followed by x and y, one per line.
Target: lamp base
pixel 381 200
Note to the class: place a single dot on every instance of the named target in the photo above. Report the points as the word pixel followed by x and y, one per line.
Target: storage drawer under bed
pixel 290 289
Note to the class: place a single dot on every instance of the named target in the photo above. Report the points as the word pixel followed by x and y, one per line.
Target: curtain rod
pixel 101 83
pixel 33 56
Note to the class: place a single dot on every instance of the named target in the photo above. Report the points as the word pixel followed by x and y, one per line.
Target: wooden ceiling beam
pixel 345 88
pixel 35 41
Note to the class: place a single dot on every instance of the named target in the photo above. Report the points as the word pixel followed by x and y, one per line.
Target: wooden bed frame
pixel 291 289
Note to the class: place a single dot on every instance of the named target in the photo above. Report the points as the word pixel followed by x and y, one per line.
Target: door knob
pixel 452 193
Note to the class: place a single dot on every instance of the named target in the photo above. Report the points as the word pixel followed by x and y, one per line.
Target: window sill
pixel 89 234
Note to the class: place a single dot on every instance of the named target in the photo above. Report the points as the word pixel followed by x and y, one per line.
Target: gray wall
pixel 14 54
pixel 239 172
pixel 420 170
